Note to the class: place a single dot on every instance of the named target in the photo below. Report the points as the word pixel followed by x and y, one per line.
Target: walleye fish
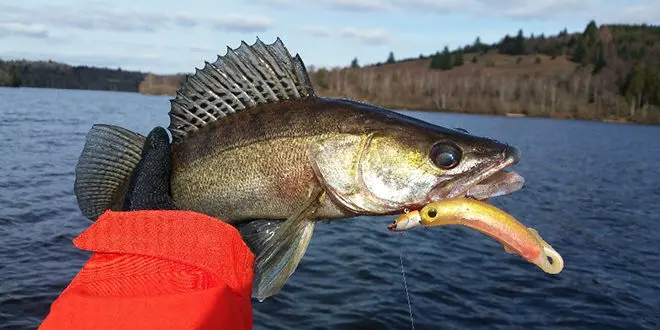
pixel 488 219
pixel 253 145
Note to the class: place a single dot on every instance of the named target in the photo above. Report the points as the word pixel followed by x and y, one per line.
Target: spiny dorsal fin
pixel 244 78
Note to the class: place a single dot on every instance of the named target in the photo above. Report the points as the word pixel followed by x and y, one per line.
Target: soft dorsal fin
pixel 244 78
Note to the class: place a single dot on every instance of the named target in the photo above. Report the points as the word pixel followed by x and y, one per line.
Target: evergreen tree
pixel 634 85
pixel 622 51
pixel 591 33
pixel 580 54
pixel 390 58
pixel 458 60
pixel 653 85
pixel 643 84
pixel 445 59
pixel 600 62
pixel 477 45
pixel 14 77
pixel 641 53
pixel 354 63
pixel 519 47
pixel 435 61
pixel 442 61
pixel 505 44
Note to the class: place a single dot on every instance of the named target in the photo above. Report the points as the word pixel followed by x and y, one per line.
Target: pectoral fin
pixel 279 246
pixel 257 233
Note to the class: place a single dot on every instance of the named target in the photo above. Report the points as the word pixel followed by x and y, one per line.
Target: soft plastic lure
pixel 489 220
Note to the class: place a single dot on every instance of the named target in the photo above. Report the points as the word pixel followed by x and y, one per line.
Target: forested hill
pixel 49 74
pixel 611 72
pixel 607 72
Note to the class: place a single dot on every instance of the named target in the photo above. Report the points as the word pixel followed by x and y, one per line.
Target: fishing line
pixel 405 284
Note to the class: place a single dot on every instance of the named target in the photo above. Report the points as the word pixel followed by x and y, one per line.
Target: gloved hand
pixel 150 184
pixel 156 267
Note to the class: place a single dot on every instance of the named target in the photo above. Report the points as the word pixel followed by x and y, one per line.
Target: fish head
pixel 400 163
pixel 467 165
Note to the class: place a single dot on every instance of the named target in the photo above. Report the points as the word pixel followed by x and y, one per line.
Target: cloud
pixel 279 3
pixel 161 48
pixel 508 8
pixel 243 23
pixel 601 10
pixel 6 8
pixel 437 6
pixel 644 12
pixel 132 61
pixel 318 31
pixel 99 16
pixel 21 29
pixel 201 49
pixel 369 36
pixel 360 5
pixel 109 19
pixel 89 18
pixel 609 11
pixel 539 9
pixel 185 21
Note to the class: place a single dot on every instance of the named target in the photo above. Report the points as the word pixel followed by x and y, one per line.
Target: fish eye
pixel 445 155
pixel 432 213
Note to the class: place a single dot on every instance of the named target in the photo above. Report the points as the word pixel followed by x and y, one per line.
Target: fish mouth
pixel 494 180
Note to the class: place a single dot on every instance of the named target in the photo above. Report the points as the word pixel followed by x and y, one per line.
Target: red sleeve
pixel 158 270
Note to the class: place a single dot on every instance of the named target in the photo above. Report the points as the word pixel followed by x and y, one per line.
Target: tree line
pixel 49 74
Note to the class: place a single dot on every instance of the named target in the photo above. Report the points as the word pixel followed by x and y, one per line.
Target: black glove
pixel 149 188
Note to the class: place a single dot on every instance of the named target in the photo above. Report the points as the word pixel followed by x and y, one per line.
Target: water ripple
pixel 599 211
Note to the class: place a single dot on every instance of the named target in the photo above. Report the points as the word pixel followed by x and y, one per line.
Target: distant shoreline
pixel 508 115
pixel 522 116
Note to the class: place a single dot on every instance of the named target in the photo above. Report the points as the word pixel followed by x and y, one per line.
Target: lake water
pixel 592 191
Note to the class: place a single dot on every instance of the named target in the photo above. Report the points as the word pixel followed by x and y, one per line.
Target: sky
pixel 174 36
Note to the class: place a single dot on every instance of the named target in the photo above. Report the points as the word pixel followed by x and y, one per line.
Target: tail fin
pixel 104 168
